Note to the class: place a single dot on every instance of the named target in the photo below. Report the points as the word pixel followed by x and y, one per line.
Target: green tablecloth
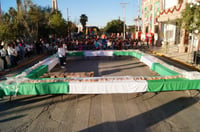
pixel 138 55
pixel 162 70
pixel 172 85
pixel 35 88
pixel 132 53
pixel 36 73
pixel 43 88
pixel 128 53
pixel 118 53
pixel 7 90
pixel 75 53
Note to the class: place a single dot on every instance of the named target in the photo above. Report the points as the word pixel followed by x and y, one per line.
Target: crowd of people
pixel 104 44
pixel 18 50
pixel 13 52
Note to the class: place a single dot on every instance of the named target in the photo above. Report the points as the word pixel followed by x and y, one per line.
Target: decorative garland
pixel 170 10
pixel 101 79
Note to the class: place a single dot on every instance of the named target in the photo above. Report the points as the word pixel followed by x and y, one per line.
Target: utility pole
pixel 124 11
pixel 138 15
pixel 68 23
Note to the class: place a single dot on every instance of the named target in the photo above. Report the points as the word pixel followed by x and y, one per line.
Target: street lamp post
pixel 124 26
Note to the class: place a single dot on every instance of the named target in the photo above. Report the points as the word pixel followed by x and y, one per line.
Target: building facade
pixel 160 17
pixel 150 10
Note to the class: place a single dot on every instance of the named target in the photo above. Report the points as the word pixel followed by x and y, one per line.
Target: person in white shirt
pixel 12 54
pixel 17 51
pixel 3 54
pixel 28 50
pixel 61 55
pixel 109 44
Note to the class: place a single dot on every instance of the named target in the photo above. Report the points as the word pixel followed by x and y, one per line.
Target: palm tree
pixel 19 3
pixel 83 21
pixel 6 18
pixel 27 5
pixel 13 14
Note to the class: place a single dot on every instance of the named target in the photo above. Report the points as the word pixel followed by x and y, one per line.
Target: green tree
pixel 32 22
pixel 83 21
pixel 114 26
pixel 13 14
pixel 191 17
pixel 8 25
pixel 38 18
pixel 58 24
pixel 72 27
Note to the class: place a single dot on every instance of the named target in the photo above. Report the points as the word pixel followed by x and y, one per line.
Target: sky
pixel 99 12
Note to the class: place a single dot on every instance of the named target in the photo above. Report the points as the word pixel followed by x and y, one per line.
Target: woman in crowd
pixel 3 54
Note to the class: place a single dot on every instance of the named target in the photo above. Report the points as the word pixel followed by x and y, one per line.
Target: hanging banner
pixel 156 10
pixel 146 15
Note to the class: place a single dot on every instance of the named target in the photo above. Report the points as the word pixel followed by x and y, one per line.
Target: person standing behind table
pixel 109 44
pixel 65 48
pixel 39 46
pixel 96 44
pixel 47 46
pixel 3 54
pixel 17 51
pixel 152 40
pixel 22 50
pixel 28 50
pixel 147 40
pixel 61 55
pixel 12 54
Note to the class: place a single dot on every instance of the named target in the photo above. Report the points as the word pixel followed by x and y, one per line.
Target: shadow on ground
pixel 12 118
pixel 142 122
pixel 7 107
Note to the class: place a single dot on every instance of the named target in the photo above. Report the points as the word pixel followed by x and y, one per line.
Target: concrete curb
pixel 186 64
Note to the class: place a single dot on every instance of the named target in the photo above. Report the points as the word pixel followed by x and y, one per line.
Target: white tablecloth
pixel 192 75
pixel 130 86
pixel 51 63
pixel 147 60
pixel 99 53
